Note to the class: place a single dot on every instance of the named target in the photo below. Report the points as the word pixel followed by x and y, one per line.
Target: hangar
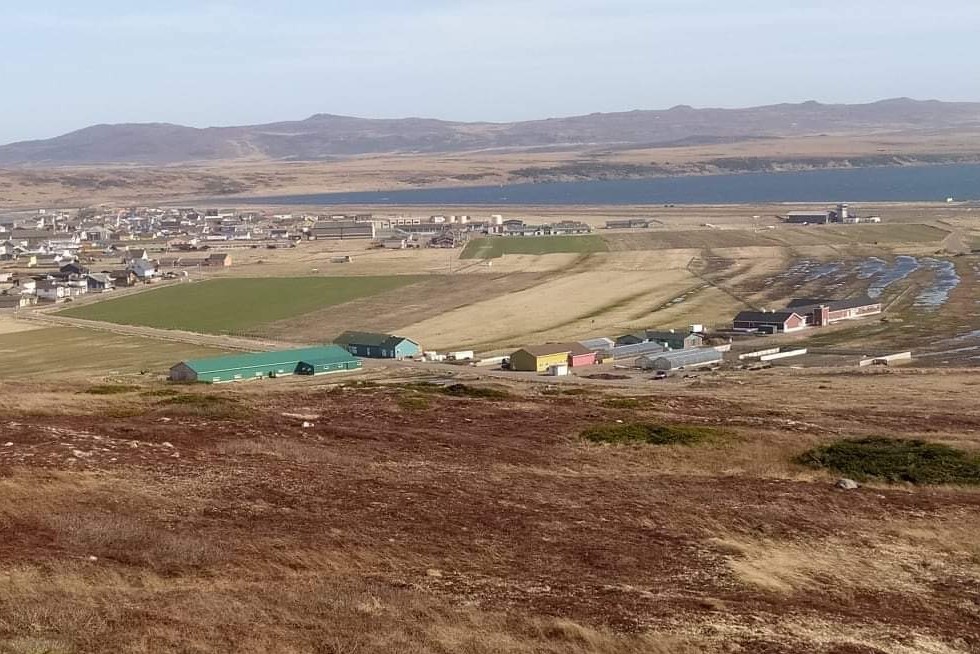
pixel 256 365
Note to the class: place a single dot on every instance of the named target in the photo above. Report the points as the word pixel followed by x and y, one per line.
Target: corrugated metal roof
pixel 330 353
pixel 597 344
pixel 635 350
pixel 689 356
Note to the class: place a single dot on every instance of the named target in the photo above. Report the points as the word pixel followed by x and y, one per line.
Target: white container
pixel 558 370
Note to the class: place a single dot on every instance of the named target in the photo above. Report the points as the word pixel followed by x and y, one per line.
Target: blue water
pixel 895 184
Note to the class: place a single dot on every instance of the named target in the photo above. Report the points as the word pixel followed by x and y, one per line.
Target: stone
pixel 846 484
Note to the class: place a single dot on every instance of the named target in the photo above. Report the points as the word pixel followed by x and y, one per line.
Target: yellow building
pixel 538 358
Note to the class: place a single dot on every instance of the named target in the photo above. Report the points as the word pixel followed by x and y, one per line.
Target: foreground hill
pixel 390 516
pixel 325 136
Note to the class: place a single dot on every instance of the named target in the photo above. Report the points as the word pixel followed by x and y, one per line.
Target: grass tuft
pixel 896 460
pixel 622 403
pixel 459 390
pixel 111 389
pixel 638 432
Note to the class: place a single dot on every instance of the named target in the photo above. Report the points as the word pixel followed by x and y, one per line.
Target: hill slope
pixel 324 136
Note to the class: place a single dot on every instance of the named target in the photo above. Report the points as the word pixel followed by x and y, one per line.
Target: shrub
pixel 637 432
pixel 459 390
pixel 413 402
pixel 111 389
pixel 160 392
pixel 896 460
pixel 212 406
pixel 622 403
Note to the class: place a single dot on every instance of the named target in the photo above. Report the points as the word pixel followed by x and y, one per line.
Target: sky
pixel 68 64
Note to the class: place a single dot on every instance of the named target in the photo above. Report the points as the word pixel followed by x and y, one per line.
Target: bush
pixel 111 389
pixel 638 432
pixel 896 460
pixel 413 402
pixel 160 392
pixel 622 403
pixel 459 390
pixel 211 406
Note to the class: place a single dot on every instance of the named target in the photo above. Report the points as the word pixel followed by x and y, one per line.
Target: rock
pixel 93 559
pixel 433 572
pixel 167 445
pixel 8 444
pixel 846 484
pixel 307 424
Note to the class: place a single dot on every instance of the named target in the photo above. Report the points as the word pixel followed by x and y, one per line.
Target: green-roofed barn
pixel 378 346
pixel 256 365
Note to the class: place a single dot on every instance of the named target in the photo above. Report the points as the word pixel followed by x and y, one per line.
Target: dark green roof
pixel 370 339
pixel 322 354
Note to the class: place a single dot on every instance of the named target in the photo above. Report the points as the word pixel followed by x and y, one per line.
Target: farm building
pixel 256 365
pixel 670 339
pixel 636 349
pixel 538 358
pixel 827 312
pixel 378 346
pixel 341 230
pixel 770 321
pixel 689 358
pixel 628 223
pixel 598 345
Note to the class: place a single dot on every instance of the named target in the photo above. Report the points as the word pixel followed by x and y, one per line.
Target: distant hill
pixel 324 136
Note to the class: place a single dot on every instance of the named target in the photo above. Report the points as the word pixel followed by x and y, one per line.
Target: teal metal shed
pixel 256 365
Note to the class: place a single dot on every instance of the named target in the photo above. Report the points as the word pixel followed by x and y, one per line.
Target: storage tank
pixel 842 212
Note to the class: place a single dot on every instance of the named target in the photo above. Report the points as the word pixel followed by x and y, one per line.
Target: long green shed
pixel 256 365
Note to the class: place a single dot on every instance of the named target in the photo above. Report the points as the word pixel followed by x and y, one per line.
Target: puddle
pixel 822 270
pixel 882 275
pixel 943 283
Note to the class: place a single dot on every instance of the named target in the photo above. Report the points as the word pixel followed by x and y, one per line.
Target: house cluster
pixel 802 313
pixel 842 214
pixel 647 350
pixel 400 232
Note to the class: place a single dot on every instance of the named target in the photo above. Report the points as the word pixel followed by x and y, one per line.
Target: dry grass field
pixel 50 352
pixel 212 520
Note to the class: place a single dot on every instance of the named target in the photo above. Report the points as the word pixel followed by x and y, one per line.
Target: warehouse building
pixel 772 322
pixel 669 339
pixel 257 365
pixel 810 217
pixel 378 346
pixel 828 312
pixel 538 358
pixel 690 358
pixel 620 352
pixel 341 230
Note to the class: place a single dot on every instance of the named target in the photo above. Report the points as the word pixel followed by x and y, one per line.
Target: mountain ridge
pixel 325 136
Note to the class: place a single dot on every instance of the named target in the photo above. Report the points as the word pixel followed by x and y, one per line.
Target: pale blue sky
pixel 71 63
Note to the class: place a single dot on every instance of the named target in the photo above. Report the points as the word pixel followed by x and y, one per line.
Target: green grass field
pixel 72 352
pixel 498 246
pixel 235 305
